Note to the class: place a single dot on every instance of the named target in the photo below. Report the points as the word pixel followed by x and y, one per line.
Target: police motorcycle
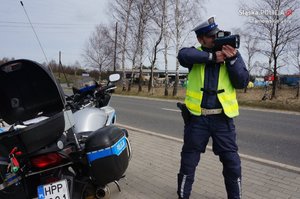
pixel 49 149
pixel 88 93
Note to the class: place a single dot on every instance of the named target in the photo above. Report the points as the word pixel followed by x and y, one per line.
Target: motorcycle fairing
pixel 89 119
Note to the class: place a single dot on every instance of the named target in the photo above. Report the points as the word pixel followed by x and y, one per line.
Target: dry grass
pixel 155 93
pixel 285 99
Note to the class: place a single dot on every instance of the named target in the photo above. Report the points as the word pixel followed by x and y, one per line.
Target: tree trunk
pixel 140 80
pixel 275 57
pixel 131 80
pixel 133 66
pixel 100 71
pixel 298 66
pixel 141 66
pixel 249 66
pixel 166 53
pixel 166 78
pixel 274 85
pixel 115 49
pixel 150 83
pixel 298 90
pixel 142 24
pixel 160 23
pixel 175 89
pixel 124 43
pixel 132 74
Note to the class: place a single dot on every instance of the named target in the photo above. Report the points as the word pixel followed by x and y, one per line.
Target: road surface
pixel 269 135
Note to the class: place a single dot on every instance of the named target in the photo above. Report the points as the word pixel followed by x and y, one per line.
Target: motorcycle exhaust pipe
pixel 103 192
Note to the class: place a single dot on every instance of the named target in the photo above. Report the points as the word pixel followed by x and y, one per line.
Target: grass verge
pixel 285 99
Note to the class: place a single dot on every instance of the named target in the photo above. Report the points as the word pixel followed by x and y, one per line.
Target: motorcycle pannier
pixel 108 154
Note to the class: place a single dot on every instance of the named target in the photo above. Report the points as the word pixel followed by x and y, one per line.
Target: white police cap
pixel 207 27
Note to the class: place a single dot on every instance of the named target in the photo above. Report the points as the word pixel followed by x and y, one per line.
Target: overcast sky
pixel 65 25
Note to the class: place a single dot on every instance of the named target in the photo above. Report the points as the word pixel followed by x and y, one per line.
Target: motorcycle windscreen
pixel 28 89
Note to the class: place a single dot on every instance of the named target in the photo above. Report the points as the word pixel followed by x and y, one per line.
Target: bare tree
pixel 295 57
pixel 158 9
pixel 294 60
pixel 178 23
pixel 6 59
pixel 147 26
pixel 132 54
pixel 133 57
pixel 250 44
pixel 137 28
pixel 298 67
pixel 97 52
pixel 186 12
pixel 127 14
pixel 143 18
pixel 122 10
pixel 276 26
pixel 258 69
pixel 166 44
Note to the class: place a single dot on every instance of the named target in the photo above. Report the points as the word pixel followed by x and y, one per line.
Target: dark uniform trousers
pixel 196 135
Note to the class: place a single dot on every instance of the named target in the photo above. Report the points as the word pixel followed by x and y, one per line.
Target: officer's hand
pixel 229 51
pixel 220 57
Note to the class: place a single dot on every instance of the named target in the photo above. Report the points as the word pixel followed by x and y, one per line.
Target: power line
pixel 42 23
pixel 34 32
pixel 41 27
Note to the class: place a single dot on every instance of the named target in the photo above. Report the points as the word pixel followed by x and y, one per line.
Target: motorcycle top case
pixel 107 153
pixel 29 91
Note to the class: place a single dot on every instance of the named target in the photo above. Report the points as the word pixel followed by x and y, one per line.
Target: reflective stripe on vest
pixel 194 94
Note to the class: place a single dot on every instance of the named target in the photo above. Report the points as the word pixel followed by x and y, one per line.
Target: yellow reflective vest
pixel 194 94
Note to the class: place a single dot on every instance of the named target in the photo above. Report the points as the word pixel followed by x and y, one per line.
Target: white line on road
pixel 248 157
pixel 168 109
pixel 241 107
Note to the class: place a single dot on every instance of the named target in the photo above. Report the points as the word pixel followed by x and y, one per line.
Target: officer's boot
pixel 232 174
pixel 233 188
pixel 185 183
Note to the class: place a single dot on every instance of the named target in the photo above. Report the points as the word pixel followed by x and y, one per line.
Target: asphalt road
pixel 269 135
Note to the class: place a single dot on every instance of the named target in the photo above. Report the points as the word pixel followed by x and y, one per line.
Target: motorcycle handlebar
pixel 97 95
pixel 108 87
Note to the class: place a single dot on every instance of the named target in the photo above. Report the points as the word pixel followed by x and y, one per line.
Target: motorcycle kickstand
pixel 118 185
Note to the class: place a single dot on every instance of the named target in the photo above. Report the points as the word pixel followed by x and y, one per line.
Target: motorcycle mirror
pixel 114 77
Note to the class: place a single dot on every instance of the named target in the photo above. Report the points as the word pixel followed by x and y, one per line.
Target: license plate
pixel 55 190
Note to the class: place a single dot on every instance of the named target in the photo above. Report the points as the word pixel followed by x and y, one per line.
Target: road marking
pixel 168 109
pixel 241 107
pixel 269 110
pixel 247 157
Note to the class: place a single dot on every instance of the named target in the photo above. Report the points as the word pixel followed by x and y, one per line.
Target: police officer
pixel 212 104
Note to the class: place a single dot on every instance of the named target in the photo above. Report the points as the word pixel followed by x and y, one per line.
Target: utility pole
pixel 115 52
pixel 298 91
pixel 62 68
pixel 59 64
